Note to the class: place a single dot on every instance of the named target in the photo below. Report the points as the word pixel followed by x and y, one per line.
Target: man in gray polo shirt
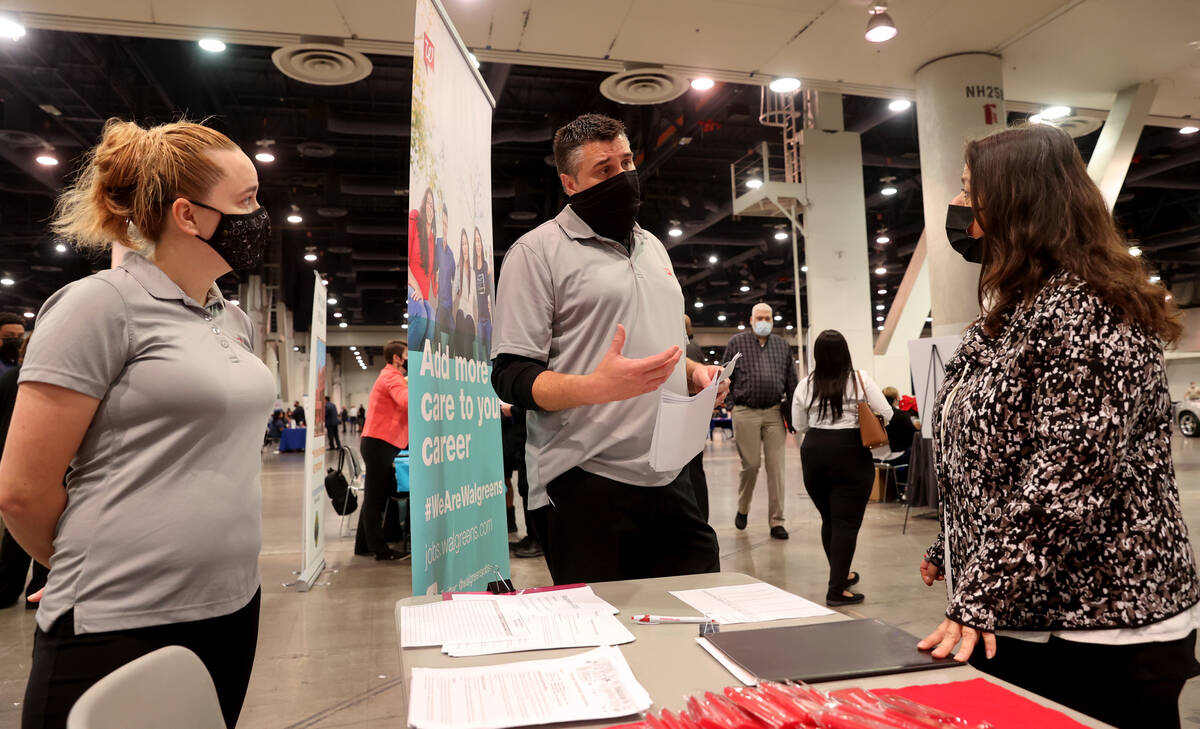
pixel 588 327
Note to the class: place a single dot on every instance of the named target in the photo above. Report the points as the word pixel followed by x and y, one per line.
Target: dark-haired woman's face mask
pixel 958 230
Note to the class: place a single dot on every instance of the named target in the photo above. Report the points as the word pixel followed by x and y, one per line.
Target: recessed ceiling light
pixel 331 301
pixel 879 328
pixel 880 307
pixel 781 236
pixel 785 84
pixel 675 232
pixel 1155 279
pixel 343 324
pixel 6 281
pixel 294 218
pixel 310 257
pixel 406 315
pixel 404 326
pixel 46 160
pixel 883 239
pixel 702 83
pixel 754 183
pixel 29 315
pixel 741 326
pixel 235 302
pixel 712 259
pixel 337 315
pixel 699 304
pixel 1135 251
pixel 804 269
pixel 296 348
pixel 882 292
pixel 353 349
pixel 264 157
pixel 744 288
pixel 1189 130
pixel 880 27
pixel 900 105
pixel 60 248
pixel 720 317
pixel 929 320
pixel 880 271
pixel 11 29
pixel 212 45
pixel 888 191
pixel 324 281
pixel 789 327
pixel 1055 112
pixel 779 317
pixel 879 318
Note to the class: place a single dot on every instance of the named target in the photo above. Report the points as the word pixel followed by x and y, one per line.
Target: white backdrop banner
pixel 312 530
pixel 929 356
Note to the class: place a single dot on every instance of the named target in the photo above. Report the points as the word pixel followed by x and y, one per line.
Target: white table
pixel 666 658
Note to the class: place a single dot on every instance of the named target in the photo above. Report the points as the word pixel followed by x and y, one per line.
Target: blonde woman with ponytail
pixel 142 379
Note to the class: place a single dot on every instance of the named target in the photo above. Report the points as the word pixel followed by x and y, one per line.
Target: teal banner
pixel 456 503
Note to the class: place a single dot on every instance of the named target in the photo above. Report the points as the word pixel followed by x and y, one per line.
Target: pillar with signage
pixel 459 534
pixel 959 98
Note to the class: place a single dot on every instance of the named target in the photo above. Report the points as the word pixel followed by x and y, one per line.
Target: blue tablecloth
pixel 292 439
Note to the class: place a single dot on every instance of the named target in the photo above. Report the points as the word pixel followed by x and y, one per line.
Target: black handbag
pixel 345 501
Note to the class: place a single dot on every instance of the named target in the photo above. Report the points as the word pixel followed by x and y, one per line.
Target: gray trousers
pixel 757 432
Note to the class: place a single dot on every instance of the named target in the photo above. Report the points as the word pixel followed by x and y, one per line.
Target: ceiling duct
pixel 332 212
pixel 379 126
pixel 322 64
pixel 644 85
pixel 18 138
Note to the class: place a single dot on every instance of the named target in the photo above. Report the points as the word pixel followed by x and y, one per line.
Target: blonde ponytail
pixel 128 182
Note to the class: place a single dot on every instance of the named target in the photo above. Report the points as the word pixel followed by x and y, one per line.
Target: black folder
pixel 826 651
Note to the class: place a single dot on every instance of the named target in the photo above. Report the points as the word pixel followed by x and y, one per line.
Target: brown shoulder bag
pixel 870 425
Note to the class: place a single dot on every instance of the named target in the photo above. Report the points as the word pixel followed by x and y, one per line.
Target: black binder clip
pixel 501 586
pixel 709 628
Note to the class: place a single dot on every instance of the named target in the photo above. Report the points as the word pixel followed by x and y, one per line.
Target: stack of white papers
pixel 752 603
pixel 588 687
pixel 683 422
pixel 476 625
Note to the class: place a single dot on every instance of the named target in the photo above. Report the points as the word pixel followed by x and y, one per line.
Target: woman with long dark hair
pixel 422 286
pixel 1063 546
pixel 464 293
pixel 838 469
pixel 484 286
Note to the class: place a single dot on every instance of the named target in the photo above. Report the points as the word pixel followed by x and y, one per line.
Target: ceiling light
pixel 781 236
pixel 60 248
pixel 324 282
pixel 888 191
pixel 744 288
pixel 900 105
pixel 264 157
pixel 880 271
pixel 46 160
pixel 879 328
pixel 789 327
pixel 404 326
pixel 331 301
pixel 11 29
pixel 343 324
pixel 883 239
pixel 804 269
pixel 235 302
pixel 1167 297
pixel 675 232
pixel 785 85
pixel 712 258
pixel 295 218
pixel 879 318
pixel 720 317
pixel 353 348
pixel 296 348
pixel 212 45
pixel 703 83
pixel 29 315
pixel 406 315
pixel 337 315
pixel 1055 112
pixel 6 281
pixel 754 183
pixel 1135 251
pixel 880 27
pixel 741 327
pixel 1189 130
pixel 882 292
pixel 1155 279
pixel 880 307
pixel 1037 119
pixel 699 304
pixel 310 257
pixel 474 60
pixel 779 317
pixel 929 320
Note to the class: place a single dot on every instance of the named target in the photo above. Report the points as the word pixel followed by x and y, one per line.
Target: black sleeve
pixel 512 379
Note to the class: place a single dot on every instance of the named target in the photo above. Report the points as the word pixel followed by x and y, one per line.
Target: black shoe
pixel 512 519
pixel 527 548
pixel 839 600
pixel 852 579
pixel 778 532
pixel 389 555
pixel 739 521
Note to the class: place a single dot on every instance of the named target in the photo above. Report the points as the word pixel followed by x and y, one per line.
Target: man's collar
pixel 576 229
pixel 159 285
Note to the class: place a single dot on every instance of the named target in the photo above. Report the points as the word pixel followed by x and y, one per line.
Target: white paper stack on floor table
pixel 594 685
pixel 683 423
pixel 752 603
pixel 476 625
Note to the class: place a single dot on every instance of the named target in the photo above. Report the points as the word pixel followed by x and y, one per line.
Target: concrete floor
pixel 328 658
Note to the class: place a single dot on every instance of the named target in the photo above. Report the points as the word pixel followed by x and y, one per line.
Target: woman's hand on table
pixel 930 572
pixel 949 634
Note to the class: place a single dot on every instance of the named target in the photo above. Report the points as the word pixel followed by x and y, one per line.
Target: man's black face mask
pixel 610 208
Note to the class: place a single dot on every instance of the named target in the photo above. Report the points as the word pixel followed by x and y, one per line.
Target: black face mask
pixel 241 239
pixel 610 207
pixel 958 225
pixel 10 349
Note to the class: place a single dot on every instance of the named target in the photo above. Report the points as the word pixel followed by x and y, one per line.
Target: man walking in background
pixel 761 391
pixel 331 425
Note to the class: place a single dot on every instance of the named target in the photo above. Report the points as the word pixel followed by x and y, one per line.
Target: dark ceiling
pixel 342 162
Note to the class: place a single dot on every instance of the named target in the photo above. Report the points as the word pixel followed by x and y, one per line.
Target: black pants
pixel 600 530
pixel 1129 686
pixel 838 475
pixel 332 439
pixel 695 472
pixel 65 665
pixel 14 568
pixel 379 485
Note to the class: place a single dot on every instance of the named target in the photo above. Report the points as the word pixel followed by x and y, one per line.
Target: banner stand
pixel 312 527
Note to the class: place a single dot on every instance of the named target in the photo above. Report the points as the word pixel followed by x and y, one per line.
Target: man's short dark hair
pixel 394 348
pixel 586 128
pixel 7 317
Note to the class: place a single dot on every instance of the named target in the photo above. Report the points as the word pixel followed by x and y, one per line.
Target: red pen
pixel 664 619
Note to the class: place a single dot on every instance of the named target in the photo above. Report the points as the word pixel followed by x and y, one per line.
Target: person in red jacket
pixel 384 435
pixel 422 285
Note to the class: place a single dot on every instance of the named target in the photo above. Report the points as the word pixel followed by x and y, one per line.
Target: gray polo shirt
pixel 563 290
pixel 163 517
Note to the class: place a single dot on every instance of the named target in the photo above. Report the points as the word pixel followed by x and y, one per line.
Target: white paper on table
pixel 576 630
pixel 682 424
pixel 590 686
pixel 551 602
pixel 455 621
pixel 752 603
pixel 741 674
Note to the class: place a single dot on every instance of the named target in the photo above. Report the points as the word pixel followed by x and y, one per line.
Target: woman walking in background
pixel 838 469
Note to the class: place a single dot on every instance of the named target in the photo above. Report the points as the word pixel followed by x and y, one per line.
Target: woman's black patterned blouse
pixel 1054 460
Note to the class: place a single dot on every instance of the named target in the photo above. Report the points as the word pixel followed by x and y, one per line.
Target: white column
pixel 905 321
pixel 835 241
pixel 959 98
pixel 1118 139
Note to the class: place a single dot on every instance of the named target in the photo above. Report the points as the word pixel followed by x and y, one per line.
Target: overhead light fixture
pixel 880 271
pixel 880 307
pixel 675 232
pixel 343 325
pixel 337 315
pixel 1155 279
pixel 781 236
pixel 883 239
pixel 703 83
pixel 404 326
pixel 46 159
pixel 789 327
pixel 295 218
pixel 804 269
pixel 235 302
pixel 324 282
pixel 406 315
pixel 699 304
pixel 785 85
pixel 882 292
pixel 929 320
pixel 720 317
pixel 6 281
pixel 1055 112
pixel 888 191
pixel 754 183
pixel 353 348
pixel 879 328
pixel 900 105
pixel 212 45
pixel 474 60
pixel 879 318
pixel 1189 130
pixel 741 327
pixel 296 348
pixel 880 27
pixel 331 301
pixel 28 315
pixel 264 157
pixel 779 317
pixel 712 258
pixel 744 288
pixel 310 257
pixel 1135 251
pixel 61 248
pixel 11 29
